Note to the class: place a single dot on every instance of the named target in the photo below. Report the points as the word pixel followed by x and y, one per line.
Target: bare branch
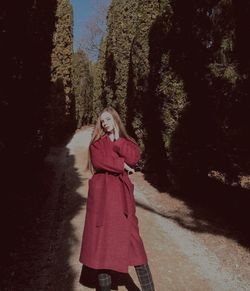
pixel 94 29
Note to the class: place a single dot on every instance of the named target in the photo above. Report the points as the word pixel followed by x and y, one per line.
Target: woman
pixel 111 239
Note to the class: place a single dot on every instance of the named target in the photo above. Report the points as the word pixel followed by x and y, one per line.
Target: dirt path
pixel 180 259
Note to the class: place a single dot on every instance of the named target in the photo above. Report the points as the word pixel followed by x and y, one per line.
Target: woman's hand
pixel 129 169
pixel 116 132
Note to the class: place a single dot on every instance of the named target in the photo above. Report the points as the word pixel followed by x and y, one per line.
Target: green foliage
pixel 121 30
pixel 82 82
pixel 98 73
pixel 139 82
pixel 61 108
pixel 177 72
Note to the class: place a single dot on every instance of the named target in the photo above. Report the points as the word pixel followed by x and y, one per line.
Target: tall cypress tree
pixel 83 88
pixel 99 79
pixel 61 108
pixel 122 19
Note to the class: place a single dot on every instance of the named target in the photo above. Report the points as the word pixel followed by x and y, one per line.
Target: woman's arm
pixel 128 150
pixel 102 161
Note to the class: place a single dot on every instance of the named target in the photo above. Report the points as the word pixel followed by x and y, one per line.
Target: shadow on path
pixel 213 208
pixel 43 260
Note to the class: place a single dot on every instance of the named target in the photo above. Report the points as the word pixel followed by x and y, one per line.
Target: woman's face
pixel 107 122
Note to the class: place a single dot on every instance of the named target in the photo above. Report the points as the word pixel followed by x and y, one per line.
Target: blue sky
pixel 83 10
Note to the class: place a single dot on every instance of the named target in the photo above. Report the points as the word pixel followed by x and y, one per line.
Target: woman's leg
pixel 104 280
pixel 145 277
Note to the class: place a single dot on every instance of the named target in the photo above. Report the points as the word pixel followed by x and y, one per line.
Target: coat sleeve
pixel 102 161
pixel 128 150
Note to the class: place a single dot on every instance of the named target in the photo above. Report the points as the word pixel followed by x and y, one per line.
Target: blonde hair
pixel 98 131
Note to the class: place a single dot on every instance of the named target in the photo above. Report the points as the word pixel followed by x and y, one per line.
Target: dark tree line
pixel 36 108
pixel 178 72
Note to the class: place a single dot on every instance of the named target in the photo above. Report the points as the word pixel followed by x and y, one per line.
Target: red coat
pixel 111 238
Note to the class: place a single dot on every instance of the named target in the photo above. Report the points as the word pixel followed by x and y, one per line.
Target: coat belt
pixel 126 196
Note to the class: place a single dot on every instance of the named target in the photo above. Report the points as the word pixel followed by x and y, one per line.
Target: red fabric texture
pixel 111 238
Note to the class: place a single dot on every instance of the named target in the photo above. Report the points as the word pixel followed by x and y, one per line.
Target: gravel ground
pixel 180 258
